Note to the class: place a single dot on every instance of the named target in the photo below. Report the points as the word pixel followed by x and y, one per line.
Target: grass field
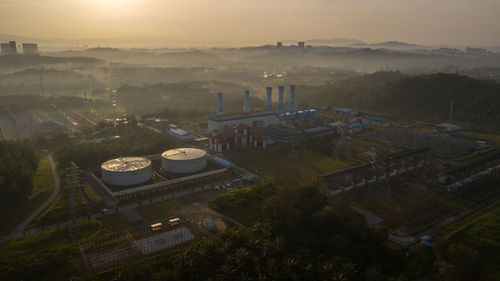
pixel 42 188
pixel 59 210
pixel 491 138
pixel 406 209
pixel 290 168
pixel 114 222
pixel 480 232
pixel 161 210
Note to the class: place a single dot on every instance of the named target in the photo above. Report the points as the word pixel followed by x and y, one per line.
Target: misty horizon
pixel 199 23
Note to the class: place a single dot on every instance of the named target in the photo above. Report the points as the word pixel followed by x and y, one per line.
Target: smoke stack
pixel 281 106
pixel 269 104
pixel 246 107
pixel 220 106
pixel 291 102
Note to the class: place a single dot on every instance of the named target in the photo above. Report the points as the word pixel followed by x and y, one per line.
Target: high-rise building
pixel 30 48
pixel 8 48
pixel 302 44
pixel 279 45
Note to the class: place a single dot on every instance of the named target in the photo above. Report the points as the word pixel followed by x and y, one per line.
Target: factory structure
pixel 250 128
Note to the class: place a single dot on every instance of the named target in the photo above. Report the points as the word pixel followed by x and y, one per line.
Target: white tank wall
pixel 184 166
pixel 127 178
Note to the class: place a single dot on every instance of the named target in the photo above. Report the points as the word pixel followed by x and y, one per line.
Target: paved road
pixel 19 230
pixel 371 218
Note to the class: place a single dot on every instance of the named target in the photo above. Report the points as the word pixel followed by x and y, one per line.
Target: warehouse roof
pixel 448 127
pixel 243 115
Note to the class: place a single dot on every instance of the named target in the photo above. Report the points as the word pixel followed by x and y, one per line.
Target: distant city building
pixel 302 44
pixel 476 51
pixel 30 48
pixel 279 44
pixel 8 48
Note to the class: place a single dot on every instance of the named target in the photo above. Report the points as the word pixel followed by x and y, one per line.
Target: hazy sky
pixel 460 22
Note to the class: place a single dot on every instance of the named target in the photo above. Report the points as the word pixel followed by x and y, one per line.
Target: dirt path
pixel 19 230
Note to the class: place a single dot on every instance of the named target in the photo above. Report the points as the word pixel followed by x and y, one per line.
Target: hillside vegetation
pixel 425 97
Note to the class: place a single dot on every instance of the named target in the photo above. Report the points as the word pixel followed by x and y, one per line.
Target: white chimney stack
pixel 269 104
pixel 246 107
pixel 220 106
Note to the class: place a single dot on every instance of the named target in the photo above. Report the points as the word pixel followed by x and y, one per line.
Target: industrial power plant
pixel 256 128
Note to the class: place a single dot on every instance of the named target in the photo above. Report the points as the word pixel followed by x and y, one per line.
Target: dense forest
pixel 424 97
pixel 18 163
pixel 297 238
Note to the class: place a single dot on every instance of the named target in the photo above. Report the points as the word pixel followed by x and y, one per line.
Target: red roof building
pixel 240 135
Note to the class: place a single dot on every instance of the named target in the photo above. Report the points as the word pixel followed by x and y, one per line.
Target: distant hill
pixel 334 42
pixel 23 61
pixel 424 97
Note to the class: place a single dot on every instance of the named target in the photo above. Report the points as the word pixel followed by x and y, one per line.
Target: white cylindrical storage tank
pixel 126 171
pixel 183 160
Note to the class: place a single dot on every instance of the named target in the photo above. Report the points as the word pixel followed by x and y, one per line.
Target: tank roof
pixel 126 164
pixel 183 154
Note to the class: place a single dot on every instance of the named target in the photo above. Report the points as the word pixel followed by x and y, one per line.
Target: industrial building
pixel 8 48
pixel 449 129
pixel 181 134
pixel 30 48
pixel 126 171
pixel 222 122
pixel 252 128
pixel 345 113
pixel 237 136
pixel 49 128
pixel 183 160
pixel 376 121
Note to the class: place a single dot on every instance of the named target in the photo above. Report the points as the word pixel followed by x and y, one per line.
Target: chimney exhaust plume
pixel 281 106
pixel 291 102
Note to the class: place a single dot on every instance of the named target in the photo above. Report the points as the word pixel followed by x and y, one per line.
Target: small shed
pixel 427 241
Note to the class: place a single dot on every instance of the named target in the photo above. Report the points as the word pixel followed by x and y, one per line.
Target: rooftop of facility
pixel 345 110
pixel 376 118
pixel 126 164
pixel 448 127
pixel 183 154
pixel 180 132
pixel 241 115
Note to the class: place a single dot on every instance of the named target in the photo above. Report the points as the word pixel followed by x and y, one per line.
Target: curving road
pixel 19 230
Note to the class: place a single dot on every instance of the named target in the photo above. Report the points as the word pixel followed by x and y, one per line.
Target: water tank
pixel 184 160
pixel 126 171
